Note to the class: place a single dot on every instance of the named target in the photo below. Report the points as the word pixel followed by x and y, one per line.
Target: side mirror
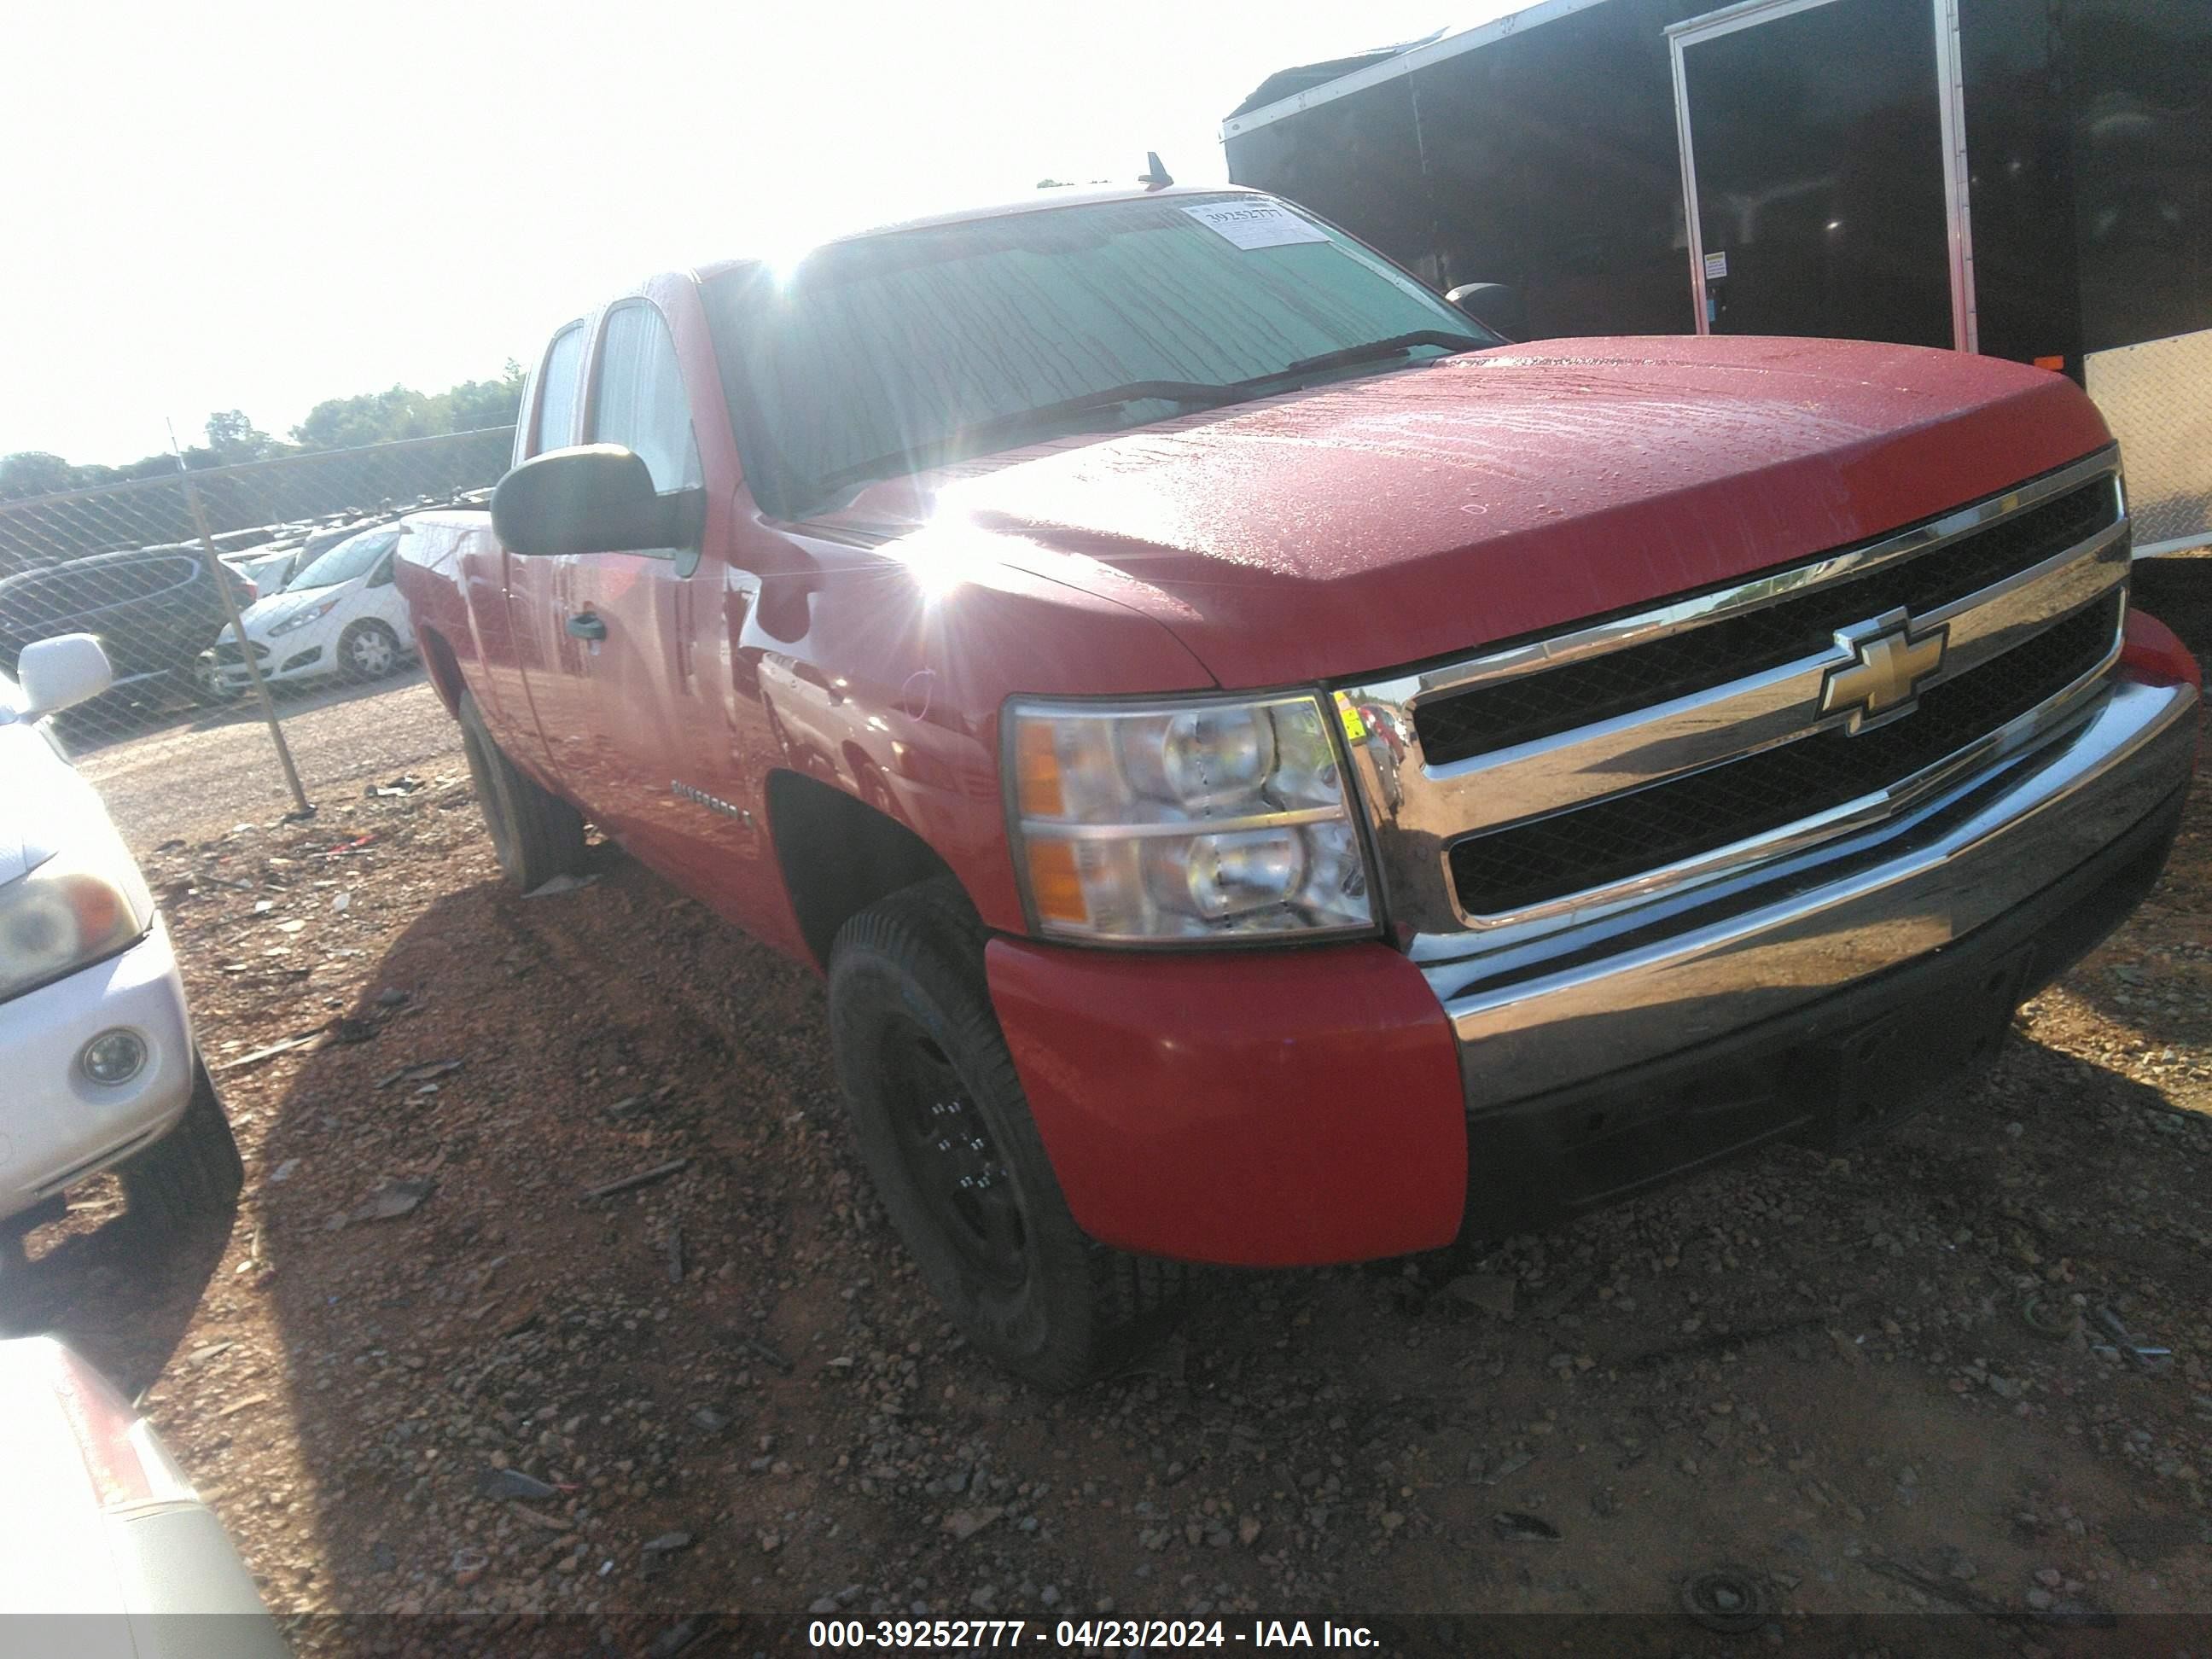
pixel 62 673
pixel 1495 306
pixel 594 498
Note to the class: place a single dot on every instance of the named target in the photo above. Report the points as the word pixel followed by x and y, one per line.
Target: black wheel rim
pixel 951 1158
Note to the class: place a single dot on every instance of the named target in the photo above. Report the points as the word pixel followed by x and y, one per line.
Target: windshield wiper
pixel 1376 351
pixel 1196 394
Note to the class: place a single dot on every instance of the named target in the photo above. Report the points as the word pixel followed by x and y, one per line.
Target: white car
pixel 95 1041
pixel 105 1548
pixel 341 615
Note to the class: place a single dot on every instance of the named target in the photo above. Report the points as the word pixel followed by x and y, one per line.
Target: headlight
pixel 1187 821
pixel 76 909
pixel 300 618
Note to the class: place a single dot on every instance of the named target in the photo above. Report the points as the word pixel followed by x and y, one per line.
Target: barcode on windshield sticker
pixel 1255 224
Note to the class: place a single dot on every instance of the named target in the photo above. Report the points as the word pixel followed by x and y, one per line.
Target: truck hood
pixel 1375 523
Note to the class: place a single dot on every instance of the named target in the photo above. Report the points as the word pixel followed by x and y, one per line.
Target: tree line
pixel 369 418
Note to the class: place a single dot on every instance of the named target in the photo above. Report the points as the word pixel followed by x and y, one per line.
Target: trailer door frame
pixel 1951 107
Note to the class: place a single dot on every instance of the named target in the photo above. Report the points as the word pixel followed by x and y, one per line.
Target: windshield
pixel 350 558
pixel 884 355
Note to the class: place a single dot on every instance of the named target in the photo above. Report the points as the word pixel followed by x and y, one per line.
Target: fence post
pixel 221 572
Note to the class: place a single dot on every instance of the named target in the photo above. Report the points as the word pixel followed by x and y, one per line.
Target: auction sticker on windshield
pixel 1255 224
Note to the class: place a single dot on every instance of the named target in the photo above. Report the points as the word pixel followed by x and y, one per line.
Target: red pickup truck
pixel 1274 773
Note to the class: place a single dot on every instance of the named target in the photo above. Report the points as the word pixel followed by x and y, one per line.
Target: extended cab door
pixel 512 599
pixel 619 625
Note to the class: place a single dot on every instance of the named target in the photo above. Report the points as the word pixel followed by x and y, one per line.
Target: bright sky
pixel 224 205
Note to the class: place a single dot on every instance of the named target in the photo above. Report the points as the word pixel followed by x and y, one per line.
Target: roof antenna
pixel 1155 176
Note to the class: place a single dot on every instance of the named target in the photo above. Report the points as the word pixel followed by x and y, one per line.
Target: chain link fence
pixel 259 644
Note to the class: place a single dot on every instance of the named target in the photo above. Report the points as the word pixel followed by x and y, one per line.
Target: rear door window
pixel 640 402
pixel 562 382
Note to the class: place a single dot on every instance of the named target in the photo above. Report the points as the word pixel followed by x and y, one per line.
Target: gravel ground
pixel 219 768
pixel 424 1370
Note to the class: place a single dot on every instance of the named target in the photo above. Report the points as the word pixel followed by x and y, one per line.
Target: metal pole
pixel 222 574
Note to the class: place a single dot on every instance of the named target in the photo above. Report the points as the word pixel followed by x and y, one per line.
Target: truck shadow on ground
pixel 423 1289
pixel 448 1283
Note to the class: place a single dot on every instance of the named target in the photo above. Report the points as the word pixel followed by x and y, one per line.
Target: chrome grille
pixel 1666 824
pixel 1599 688
pixel 1548 779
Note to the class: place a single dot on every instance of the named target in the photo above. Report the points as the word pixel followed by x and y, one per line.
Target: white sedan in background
pixel 95 1041
pixel 340 615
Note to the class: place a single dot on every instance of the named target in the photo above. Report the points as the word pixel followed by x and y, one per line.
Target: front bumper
pixel 303 655
pixel 1822 1072
pixel 56 1125
pixel 1333 1103
pixel 1628 988
pixel 1263 1109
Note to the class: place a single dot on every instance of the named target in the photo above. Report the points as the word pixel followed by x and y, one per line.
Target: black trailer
pixel 2031 179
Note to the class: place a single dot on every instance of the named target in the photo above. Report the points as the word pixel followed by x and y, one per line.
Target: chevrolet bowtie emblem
pixel 1889 662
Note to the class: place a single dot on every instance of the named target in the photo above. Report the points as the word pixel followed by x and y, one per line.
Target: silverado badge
pixel 1882 681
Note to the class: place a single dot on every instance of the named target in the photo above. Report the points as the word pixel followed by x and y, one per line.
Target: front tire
pixel 536 834
pixel 947 1135
pixel 369 650
pixel 192 1171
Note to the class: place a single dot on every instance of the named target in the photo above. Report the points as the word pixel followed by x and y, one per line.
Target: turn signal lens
pixel 1056 885
pixel 1038 769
